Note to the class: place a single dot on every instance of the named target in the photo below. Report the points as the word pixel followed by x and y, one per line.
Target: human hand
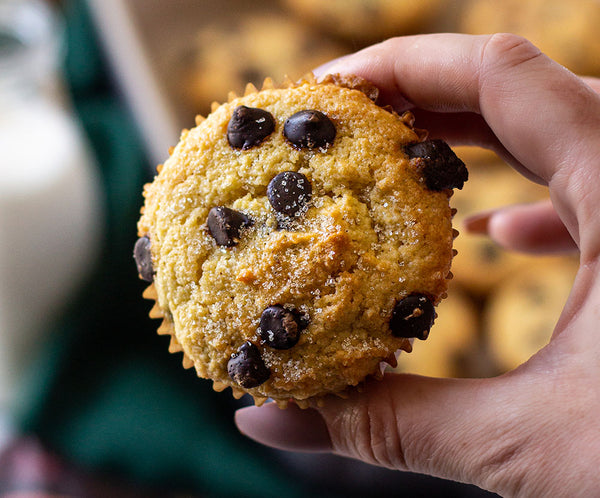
pixel 534 431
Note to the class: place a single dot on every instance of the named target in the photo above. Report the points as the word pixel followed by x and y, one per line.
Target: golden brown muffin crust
pixel 371 235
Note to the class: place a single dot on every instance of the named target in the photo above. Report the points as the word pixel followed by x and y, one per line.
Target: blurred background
pixel 92 95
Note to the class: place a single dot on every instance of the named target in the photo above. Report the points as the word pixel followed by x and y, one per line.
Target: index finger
pixel 544 116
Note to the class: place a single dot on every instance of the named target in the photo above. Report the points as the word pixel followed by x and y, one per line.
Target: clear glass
pixel 49 192
pixel 31 36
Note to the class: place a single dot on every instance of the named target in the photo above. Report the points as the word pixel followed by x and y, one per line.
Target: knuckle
pixel 368 431
pixel 507 50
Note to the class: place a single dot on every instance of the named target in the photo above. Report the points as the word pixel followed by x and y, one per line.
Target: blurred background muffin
pixel 481 264
pixel 225 57
pixel 367 21
pixel 565 31
pixel 521 313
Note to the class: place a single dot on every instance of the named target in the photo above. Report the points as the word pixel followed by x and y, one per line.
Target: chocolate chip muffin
pixel 521 313
pixel 481 264
pixel 297 238
pixel 565 31
pixel 224 57
pixel 368 21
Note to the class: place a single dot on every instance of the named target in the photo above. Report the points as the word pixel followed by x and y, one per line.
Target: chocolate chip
pixel 289 193
pixel 309 130
pixel 488 252
pixel 439 166
pixel 143 259
pixel 247 368
pixel 225 224
pixel 249 126
pixel 280 327
pixel 413 316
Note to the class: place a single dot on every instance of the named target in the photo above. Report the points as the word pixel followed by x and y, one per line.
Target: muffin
pixel 367 21
pixel 225 57
pixel 298 237
pixel 481 264
pixel 565 31
pixel 521 314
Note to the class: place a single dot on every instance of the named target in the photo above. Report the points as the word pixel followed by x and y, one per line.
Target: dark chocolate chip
pixel 413 316
pixel 489 252
pixel 249 126
pixel 440 166
pixel 280 327
pixel 247 368
pixel 225 224
pixel 143 259
pixel 309 130
pixel 289 193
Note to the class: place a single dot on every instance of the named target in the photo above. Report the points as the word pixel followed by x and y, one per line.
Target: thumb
pixel 461 429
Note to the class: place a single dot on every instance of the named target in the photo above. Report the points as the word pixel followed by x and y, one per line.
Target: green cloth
pixel 104 392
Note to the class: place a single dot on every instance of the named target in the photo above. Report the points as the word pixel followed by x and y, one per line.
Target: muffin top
pixel 298 237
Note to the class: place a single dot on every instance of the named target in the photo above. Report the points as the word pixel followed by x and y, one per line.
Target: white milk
pixel 49 192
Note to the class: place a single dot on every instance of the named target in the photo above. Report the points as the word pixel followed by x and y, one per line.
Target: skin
pixel 534 431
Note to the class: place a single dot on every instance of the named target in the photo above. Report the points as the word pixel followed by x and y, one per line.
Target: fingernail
pixel 478 223
pixel 292 429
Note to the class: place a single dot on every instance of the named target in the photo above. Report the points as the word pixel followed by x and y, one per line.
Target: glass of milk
pixel 50 212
